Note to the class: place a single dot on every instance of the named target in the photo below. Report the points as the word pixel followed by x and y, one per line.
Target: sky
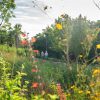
pixel 33 19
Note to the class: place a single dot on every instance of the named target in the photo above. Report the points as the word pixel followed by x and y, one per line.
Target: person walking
pixel 46 54
pixel 42 54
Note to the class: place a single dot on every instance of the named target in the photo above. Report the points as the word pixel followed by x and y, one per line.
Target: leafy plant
pixel 11 87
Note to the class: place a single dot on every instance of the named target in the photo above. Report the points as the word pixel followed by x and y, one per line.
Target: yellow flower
pixel 92 97
pixel 97 94
pixel 80 56
pixel 43 92
pixel 96 71
pixel 68 94
pixel 98 46
pixel 88 92
pixel 53 97
pixel 92 84
pixel 96 98
pixel 59 26
pixel 80 92
pixel 72 86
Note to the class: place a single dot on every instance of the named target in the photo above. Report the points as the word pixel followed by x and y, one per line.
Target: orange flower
pixel 33 39
pixel 34 70
pixel 35 85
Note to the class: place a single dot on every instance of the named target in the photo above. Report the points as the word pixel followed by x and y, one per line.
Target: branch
pixel 97 5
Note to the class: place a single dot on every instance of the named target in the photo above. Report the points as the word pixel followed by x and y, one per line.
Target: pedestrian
pixel 42 54
pixel 46 54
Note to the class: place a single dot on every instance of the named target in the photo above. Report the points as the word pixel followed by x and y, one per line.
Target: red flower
pixel 34 70
pixel 24 42
pixel 36 51
pixel 23 35
pixel 35 85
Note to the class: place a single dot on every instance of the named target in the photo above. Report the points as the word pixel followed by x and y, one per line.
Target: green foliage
pixel 11 87
pixel 51 72
pixel 79 32
pixel 76 37
pixel 6 10
pixel 21 52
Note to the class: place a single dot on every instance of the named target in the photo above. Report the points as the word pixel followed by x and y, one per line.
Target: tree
pixel 58 39
pixel 6 11
pixel 17 31
pixel 79 32
pixel 74 37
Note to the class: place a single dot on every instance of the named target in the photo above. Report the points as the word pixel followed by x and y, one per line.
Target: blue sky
pixel 33 20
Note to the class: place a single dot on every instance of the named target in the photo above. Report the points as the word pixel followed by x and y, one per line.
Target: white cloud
pixel 33 19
